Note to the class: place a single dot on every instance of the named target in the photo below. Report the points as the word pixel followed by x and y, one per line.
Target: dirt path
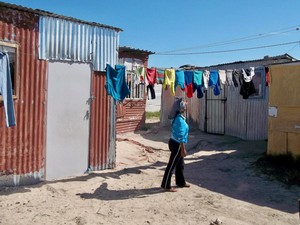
pixel 225 188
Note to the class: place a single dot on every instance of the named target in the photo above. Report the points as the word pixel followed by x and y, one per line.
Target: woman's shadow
pixel 103 193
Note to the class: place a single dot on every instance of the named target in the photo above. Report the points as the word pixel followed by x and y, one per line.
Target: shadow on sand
pixel 220 164
pixel 226 165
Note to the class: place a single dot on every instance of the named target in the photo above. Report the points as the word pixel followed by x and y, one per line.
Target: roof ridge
pixel 50 14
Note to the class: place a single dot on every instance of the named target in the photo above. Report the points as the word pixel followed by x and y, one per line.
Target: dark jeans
pixel 175 162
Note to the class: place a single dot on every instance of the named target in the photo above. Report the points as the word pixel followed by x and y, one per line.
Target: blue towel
pixel 179 79
pixel 116 83
pixel 214 81
pixel 198 83
pixel 198 77
pixel 189 77
pixel 6 90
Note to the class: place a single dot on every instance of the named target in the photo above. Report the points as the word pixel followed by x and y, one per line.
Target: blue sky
pixel 192 26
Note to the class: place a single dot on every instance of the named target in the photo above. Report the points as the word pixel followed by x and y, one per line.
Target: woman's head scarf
pixel 178 105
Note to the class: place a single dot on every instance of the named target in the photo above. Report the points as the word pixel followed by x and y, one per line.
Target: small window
pixel 12 51
pixel 137 88
pixel 259 82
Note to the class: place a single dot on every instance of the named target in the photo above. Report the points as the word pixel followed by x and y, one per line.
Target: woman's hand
pixel 183 150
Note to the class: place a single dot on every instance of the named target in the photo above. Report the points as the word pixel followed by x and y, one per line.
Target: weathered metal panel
pixel 68 40
pixel 193 110
pixel 215 114
pixel 236 121
pixel 102 135
pixel 134 116
pixel 257 117
pixel 201 108
pixel 246 118
pixel 22 147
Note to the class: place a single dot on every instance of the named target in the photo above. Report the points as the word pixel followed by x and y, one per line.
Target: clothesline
pixel 200 80
pixel 189 81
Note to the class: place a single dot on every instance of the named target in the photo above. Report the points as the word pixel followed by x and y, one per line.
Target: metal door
pixel 215 111
pixel 67 139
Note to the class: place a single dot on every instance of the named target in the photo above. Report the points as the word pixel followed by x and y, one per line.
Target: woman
pixel 177 146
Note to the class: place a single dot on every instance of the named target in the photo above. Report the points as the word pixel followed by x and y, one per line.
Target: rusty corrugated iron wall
pixel 22 147
pixel 102 152
pixel 133 117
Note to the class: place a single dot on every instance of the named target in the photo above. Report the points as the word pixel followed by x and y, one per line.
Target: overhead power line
pixel 238 40
pixel 230 50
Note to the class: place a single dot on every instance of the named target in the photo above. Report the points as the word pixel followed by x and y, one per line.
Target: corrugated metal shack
pixel 65 119
pixel 284 110
pixel 131 113
pixel 228 113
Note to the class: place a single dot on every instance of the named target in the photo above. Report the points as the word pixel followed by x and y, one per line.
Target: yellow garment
pixel 170 80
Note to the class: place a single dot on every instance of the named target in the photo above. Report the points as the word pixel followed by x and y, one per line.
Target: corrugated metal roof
pixel 287 63
pixel 265 59
pixel 134 50
pixel 70 40
pixel 49 14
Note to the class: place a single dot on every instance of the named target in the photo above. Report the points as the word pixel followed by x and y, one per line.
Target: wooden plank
pixel 284 88
pixel 284 126
pixel 289 112
pixel 294 144
pixel 277 143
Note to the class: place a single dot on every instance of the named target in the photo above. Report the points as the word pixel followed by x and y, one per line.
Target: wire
pixel 230 50
pixel 293 47
pixel 237 40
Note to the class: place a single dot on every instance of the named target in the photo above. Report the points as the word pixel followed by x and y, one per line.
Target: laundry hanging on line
pixel 6 90
pixel 151 80
pixel 116 83
pixel 215 79
pixel 169 81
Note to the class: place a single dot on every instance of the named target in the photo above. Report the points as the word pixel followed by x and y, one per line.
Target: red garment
pixel 151 75
pixel 189 90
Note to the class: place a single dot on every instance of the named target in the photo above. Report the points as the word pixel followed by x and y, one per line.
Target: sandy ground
pixel 225 188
